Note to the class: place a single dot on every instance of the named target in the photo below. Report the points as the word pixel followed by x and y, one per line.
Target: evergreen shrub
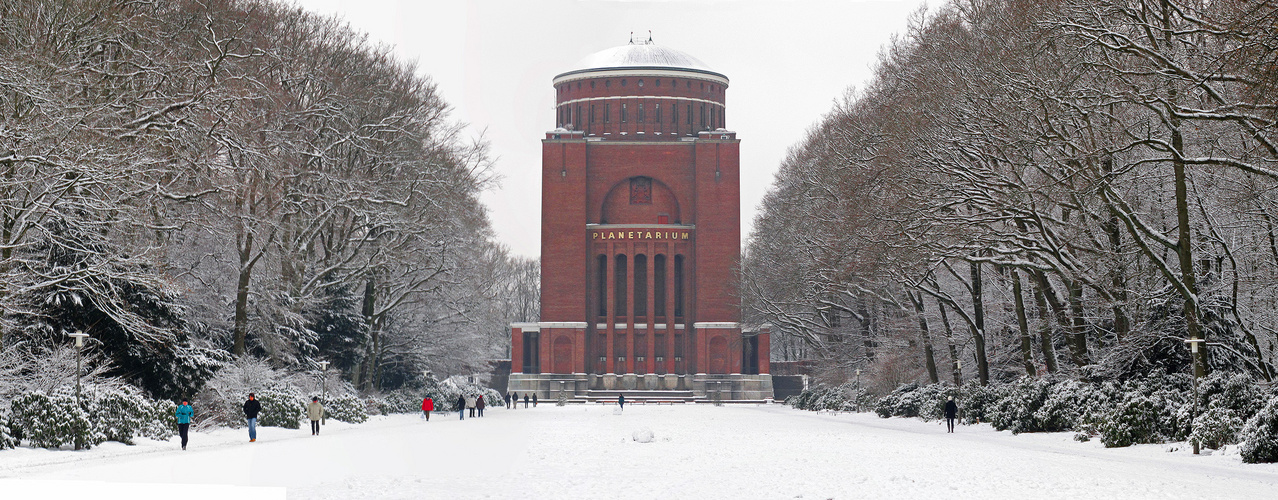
pixel 1216 427
pixel 1260 435
pixel 282 406
pixel 1134 421
pixel 52 420
pixel 347 408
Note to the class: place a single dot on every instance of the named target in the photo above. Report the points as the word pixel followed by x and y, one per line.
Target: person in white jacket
pixel 470 405
pixel 315 412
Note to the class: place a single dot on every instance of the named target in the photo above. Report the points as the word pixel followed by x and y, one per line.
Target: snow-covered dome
pixel 640 56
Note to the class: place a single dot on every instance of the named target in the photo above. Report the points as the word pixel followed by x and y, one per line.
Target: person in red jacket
pixel 479 404
pixel 428 405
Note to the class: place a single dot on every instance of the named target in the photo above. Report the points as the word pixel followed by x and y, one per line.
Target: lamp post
pixel 79 345
pixel 1193 360
pixel 323 389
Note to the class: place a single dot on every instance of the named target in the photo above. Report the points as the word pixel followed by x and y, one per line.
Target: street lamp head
pixel 79 338
pixel 323 365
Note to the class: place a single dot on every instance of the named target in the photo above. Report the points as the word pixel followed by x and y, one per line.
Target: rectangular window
pixel 623 113
pixel 592 113
pixel 641 117
pixel 607 113
pixel 688 117
pixel 658 111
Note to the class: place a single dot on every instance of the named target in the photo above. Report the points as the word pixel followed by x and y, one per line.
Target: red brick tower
pixel 640 238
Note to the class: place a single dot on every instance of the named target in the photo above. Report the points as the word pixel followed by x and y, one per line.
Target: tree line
pixel 197 180
pixel 1084 187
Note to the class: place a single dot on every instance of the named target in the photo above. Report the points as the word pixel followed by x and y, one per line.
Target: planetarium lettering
pixel 639 235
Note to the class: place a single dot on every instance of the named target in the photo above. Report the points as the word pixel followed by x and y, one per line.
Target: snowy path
pixel 699 452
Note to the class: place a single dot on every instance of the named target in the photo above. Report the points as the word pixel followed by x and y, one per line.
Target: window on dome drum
pixel 578 85
pixel 640 110
pixel 623 82
pixel 592 113
pixel 640 83
pixel 689 82
pixel 607 83
pixel 592 84
pixel 623 113
pixel 689 115
pixel 658 106
pixel 657 82
pixel 579 114
pixel 607 113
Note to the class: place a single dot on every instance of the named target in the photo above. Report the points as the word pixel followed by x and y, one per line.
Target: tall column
pixel 516 350
pixel 670 311
pixel 630 307
pixel 611 305
pixel 650 363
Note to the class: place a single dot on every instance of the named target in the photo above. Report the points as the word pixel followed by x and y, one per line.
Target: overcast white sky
pixel 494 59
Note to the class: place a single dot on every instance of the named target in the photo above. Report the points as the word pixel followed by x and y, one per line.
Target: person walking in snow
pixel 534 400
pixel 251 409
pixel 479 404
pixel 621 401
pixel 525 400
pixel 514 400
pixel 428 405
pixel 315 411
pixel 507 398
pixel 461 407
pixel 951 410
pixel 470 405
pixel 183 414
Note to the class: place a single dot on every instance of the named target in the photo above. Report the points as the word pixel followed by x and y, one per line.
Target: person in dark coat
pixel 183 414
pixel 479 405
pixel 514 400
pixel 621 401
pixel 525 400
pixel 461 407
pixel 251 409
pixel 507 398
pixel 534 400
pixel 951 410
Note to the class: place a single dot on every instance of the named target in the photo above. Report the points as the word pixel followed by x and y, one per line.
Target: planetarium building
pixel 640 239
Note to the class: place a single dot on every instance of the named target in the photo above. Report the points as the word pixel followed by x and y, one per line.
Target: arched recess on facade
pixel 640 200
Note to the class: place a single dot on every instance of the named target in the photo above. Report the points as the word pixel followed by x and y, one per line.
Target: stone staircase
pixel 639 397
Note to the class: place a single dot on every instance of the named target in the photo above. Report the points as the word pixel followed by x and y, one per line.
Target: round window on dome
pixel 623 82
pixel 640 83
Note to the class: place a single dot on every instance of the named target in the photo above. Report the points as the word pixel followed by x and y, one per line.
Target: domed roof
pixel 640 55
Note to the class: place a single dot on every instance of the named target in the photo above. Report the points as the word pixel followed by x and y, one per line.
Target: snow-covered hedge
pixel 1155 409
pixel 346 408
pixel 1260 435
pixel 6 437
pixel 845 397
pixel 52 420
pixel 282 406
pixel 109 413
pixel 444 393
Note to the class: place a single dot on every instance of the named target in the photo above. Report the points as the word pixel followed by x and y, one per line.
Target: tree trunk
pixel 368 367
pixel 1122 325
pixel 955 369
pixel 928 357
pixel 978 328
pixel 1045 331
pixel 242 292
pixel 1184 250
pixel 1027 354
pixel 1078 324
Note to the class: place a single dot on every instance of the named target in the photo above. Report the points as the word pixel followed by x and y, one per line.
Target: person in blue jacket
pixel 183 414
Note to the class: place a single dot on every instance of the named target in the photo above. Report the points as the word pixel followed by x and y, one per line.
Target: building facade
pixel 640 237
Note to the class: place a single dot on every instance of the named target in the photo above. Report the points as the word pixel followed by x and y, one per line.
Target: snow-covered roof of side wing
pixel 640 56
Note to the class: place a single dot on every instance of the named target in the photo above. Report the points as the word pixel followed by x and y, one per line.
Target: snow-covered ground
pixel 590 452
